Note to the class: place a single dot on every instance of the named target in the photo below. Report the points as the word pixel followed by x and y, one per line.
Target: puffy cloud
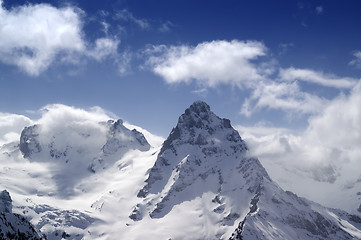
pixel 357 60
pixel 332 137
pixel 328 151
pixel 34 36
pixel 11 126
pixel 339 126
pixel 66 126
pixel 56 115
pixel 208 63
pixel 327 80
pixel 240 64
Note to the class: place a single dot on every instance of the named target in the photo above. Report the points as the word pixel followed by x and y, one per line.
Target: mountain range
pixel 111 180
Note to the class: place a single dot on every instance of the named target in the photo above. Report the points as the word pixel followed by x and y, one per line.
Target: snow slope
pixel 12 225
pixel 102 180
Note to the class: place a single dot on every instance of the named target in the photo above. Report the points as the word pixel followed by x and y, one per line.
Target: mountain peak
pixel 200 108
pixel 199 115
pixel 198 125
pixel 202 146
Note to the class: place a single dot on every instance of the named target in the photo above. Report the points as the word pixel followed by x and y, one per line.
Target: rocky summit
pixel 103 180
pixel 12 225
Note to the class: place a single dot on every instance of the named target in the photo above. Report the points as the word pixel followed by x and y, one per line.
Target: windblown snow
pixel 91 179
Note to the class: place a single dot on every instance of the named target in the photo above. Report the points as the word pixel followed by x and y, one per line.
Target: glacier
pixel 113 180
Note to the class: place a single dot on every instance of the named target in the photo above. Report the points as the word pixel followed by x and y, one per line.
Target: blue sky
pixel 286 73
pixel 259 63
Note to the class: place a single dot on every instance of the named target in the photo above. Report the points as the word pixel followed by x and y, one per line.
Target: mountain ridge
pixel 202 183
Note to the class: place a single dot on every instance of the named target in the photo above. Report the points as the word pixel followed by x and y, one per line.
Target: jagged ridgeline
pixel 105 181
pixel 205 159
pixel 12 225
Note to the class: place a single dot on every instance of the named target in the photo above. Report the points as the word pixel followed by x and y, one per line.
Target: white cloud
pixel 239 63
pixel 208 63
pixel 58 114
pixel 282 96
pixel 32 35
pixel 327 80
pixel 336 128
pixel 339 126
pixel 35 36
pixel 104 47
pixel 70 125
pixel 327 151
pixel 11 126
pixel 126 15
pixel 357 60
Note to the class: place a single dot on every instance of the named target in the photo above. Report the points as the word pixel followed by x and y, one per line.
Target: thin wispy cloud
pixel 327 80
pixel 319 10
pixel 166 26
pixel 123 62
pixel 128 16
pixel 285 47
pixel 103 48
pixel 357 60
pixel 307 11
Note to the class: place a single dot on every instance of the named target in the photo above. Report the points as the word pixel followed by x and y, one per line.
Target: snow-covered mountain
pixel 12 225
pixel 104 181
pixel 204 169
pixel 52 171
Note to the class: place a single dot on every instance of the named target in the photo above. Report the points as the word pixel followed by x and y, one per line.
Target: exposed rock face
pixel 29 142
pixel 92 149
pixel 14 226
pixel 283 215
pixel 203 184
pixel 6 205
pixel 205 155
pixel 119 140
pixel 198 131
pixel 59 224
pixel 119 137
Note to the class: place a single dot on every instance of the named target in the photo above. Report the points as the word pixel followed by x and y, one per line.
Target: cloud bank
pixel 327 150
